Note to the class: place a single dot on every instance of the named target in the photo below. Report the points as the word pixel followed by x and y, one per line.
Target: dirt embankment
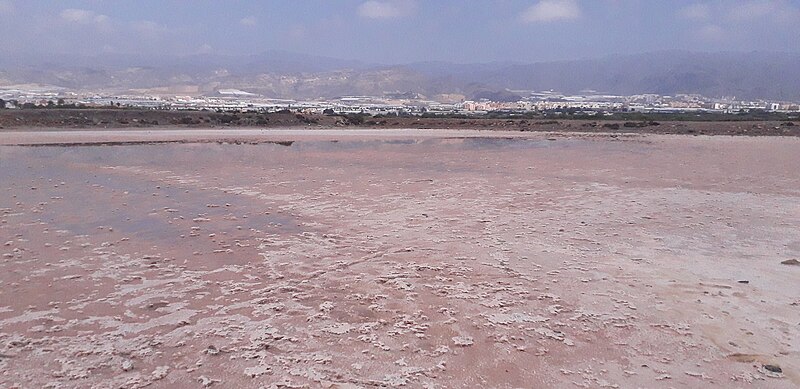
pixel 752 128
pixel 127 118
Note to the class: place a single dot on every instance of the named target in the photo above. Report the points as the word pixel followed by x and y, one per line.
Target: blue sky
pixel 400 31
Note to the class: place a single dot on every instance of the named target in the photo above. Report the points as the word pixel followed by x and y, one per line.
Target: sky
pixel 398 31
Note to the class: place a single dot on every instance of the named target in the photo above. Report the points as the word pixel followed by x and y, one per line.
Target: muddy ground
pixel 133 118
pixel 418 259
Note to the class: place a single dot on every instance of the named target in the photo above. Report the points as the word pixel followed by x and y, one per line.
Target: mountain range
pixel 281 74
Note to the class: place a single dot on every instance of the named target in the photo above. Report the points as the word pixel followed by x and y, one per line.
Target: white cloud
pixel 205 48
pixel 6 7
pixel 82 16
pixel 762 24
pixel 757 9
pixel 697 11
pixel 551 11
pixel 712 33
pixel 248 21
pixel 390 9
pixel 297 32
pixel 745 12
pixel 149 29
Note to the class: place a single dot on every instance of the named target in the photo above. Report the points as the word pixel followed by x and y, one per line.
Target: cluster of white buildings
pixel 394 104
pixel 544 101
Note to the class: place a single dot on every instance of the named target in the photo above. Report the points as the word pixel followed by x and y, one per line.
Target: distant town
pixel 395 104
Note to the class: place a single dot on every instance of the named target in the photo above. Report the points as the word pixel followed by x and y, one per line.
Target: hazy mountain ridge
pixel 751 75
pixel 289 75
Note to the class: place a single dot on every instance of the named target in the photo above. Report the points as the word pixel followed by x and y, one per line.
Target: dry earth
pixel 417 259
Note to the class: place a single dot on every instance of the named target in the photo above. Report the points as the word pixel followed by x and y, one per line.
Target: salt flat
pixel 408 258
pixel 56 136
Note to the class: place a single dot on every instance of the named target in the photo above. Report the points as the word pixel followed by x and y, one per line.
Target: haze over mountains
pixel 281 74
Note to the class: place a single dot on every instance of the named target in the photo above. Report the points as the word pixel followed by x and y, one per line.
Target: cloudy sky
pixel 398 31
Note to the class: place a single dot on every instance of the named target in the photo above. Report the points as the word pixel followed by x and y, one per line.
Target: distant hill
pixel 744 75
pixel 281 74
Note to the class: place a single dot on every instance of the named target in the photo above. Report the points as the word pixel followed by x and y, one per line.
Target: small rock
pixel 127 365
pixel 773 368
pixel 463 341
pixel 256 371
pixel 160 372
pixel 326 306
pixel 206 382
pixel 338 329
pixel 793 262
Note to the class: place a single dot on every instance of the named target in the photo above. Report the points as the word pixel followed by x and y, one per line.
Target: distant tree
pixel 2 104
pixel 50 103
pixel 60 102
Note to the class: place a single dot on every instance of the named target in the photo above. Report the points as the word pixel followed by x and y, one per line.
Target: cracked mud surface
pixel 421 262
